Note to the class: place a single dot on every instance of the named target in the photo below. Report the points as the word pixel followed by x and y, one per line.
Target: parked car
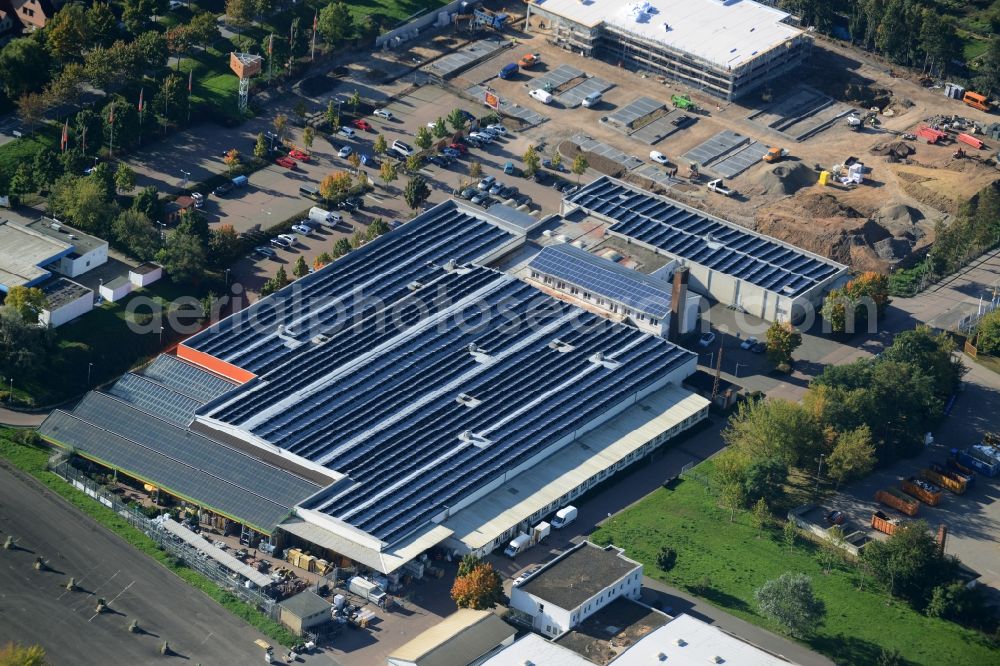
pixel 468 116
pixel 481 199
pixel 303 229
pixel 345 152
pixel 224 189
pixel 348 132
pixel 363 125
pixel 487 182
pixel 265 251
pixel 469 192
pixel 286 162
pixel 481 137
pixel 355 202
pixel 542 96
pixel 540 177
pixel 402 148
pixel 496 188
pixel 452 153
pixel 299 155
pixel 198 198
pixel 706 339
pixel 385 114
pixel 758 348
pixel 591 100
pixel 508 167
pixel 498 129
pixel 280 242
pixel 658 157
pixel 460 147
pixel 509 192
pixel 547 163
pixel 288 238
pixel 748 343
pixel 522 199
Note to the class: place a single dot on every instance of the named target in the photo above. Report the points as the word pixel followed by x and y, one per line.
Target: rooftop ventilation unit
pixel 320 339
pixel 548 233
pixel 681 642
pixel 712 243
pixel 598 358
pixel 477 353
pixel 413 286
pixel 561 346
pixel 450 265
pixel 662 656
pixel 468 400
pixel 562 238
pixel 475 439
pixel 716 660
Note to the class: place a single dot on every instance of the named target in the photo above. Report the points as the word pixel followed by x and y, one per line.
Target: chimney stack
pixel 678 296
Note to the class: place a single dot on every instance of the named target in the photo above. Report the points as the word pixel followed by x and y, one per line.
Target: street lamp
pixel 737 372
pixel 161 336
pixel 227 279
pixel 186 174
pixel 90 366
pixel 10 396
pixel 819 471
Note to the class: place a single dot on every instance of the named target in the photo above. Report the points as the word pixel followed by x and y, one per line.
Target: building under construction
pixel 725 48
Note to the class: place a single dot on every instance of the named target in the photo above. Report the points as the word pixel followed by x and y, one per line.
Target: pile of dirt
pixel 898 149
pixel 819 204
pixel 784 179
pixel 570 150
pixel 898 216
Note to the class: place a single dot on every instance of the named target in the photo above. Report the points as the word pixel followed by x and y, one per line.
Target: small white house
pixel 576 585
pixel 116 290
pixel 145 274
pixel 65 301
pixel 88 251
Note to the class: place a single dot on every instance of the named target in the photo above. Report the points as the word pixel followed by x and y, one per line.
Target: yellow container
pixel 293 556
pixel 824 177
pixel 307 562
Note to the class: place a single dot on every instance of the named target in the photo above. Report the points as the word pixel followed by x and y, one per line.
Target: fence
pixel 191 557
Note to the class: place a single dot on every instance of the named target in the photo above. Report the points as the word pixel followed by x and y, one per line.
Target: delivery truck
pixel 518 545
pixel 924 491
pixel 317 214
pixel 540 531
pixel 564 517
pixel 898 500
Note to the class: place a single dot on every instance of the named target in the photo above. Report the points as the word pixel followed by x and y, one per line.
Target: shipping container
pixel 884 523
pixel 898 500
pixel 946 480
pixel 924 491
pixel 970 140
pixel 978 461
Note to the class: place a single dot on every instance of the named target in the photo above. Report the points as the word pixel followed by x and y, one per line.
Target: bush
pixel 666 559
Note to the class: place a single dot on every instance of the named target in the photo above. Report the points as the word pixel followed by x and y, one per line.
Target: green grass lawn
pixel 724 562
pixel 17 151
pixel 33 461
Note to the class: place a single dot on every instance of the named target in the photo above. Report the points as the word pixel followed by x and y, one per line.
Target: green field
pixel 33 461
pixel 724 562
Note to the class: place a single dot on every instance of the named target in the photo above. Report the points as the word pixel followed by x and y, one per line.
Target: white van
pixel 541 95
pixel 564 517
pixel 591 100
pixel 317 214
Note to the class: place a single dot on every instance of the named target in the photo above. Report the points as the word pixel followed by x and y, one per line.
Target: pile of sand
pixel 898 149
pixel 823 204
pixel 784 179
pixel 897 215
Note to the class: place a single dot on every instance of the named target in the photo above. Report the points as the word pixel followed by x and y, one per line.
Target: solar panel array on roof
pixel 385 406
pixel 605 278
pixel 155 399
pixel 372 277
pixel 185 378
pixel 181 462
pixel 694 236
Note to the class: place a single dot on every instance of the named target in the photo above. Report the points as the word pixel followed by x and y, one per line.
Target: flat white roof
pixel 532 490
pixel 726 33
pixel 22 250
pixel 702 643
pixel 533 649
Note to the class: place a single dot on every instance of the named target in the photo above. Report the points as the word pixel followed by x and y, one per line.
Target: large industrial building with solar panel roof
pixel 410 395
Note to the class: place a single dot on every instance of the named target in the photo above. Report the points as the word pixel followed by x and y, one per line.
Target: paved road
pixel 20 419
pixel 35 608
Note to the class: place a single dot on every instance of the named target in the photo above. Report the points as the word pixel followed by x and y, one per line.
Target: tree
pixel 24 67
pixel 45 169
pixel 764 479
pixel 580 166
pixel 959 603
pixel 239 12
pixel 853 457
pixel 774 428
pixel 414 163
pixel 335 23
pixel 782 340
pixel 733 498
pixel 341 247
pixel 666 559
pixel 170 100
pixel 204 30
pixel 932 354
pixel 377 228
pixel 335 185
pixel 30 108
pixel 84 201
pixel 468 564
pixel 179 42
pixel 355 101
pixel 135 15
pixel 789 534
pixel 22 181
pixel 308 136
pixel 183 256
pixel 556 158
pixel 15 654
pixel 73 161
pixel 280 126
pixel 281 278
pixel 194 223
pixel 988 334
pixel 440 130
pixel 380 146
pixel 790 601
pixel 260 148
pixel 987 78
pixel 232 160
pixel 475 170
pixel 301 269
pixel 416 192
pixel 333 116
pixel 103 176
pixel 322 260
pixel 135 232
pixel 887 657
pixel 456 118
pixel 263 8
pixel 423 138
pixel 148 202
pixel 355 160
pixel 124 178
pixel 480 589
pixel 66 33
pixel 224 246
pixel 27 301
pixel 358 239
pixel 152 49
pixel 388 172
pixel 532 161
pixel 909 563
pixel 760 515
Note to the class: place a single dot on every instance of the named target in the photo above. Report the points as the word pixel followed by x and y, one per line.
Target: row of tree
pixel 854 416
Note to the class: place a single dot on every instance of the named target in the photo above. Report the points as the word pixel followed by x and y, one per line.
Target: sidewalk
pixel 20 419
